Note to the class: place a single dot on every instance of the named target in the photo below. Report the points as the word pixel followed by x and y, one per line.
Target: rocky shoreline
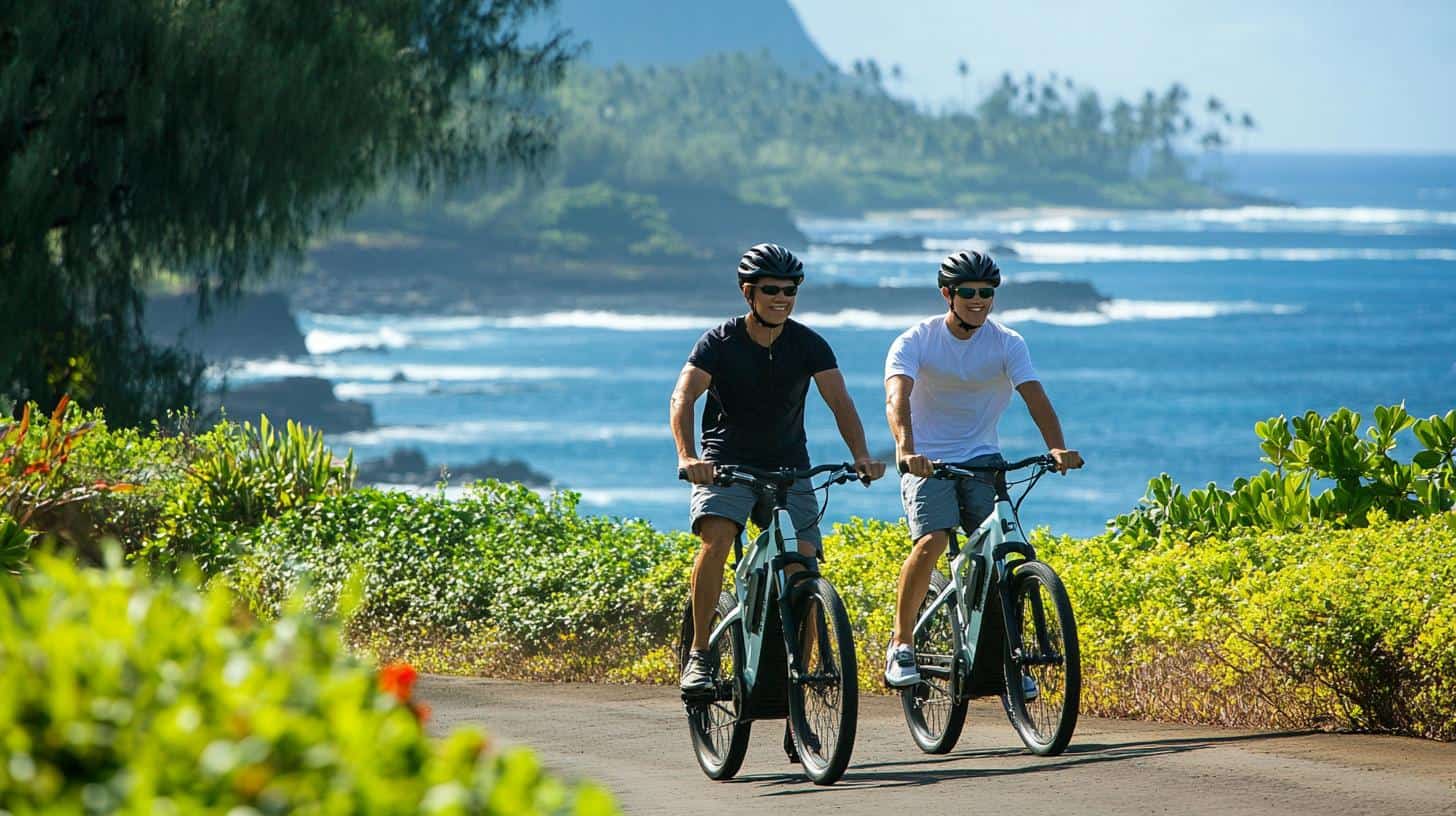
pixel 408 466
pixel 688 294
pixel 264 326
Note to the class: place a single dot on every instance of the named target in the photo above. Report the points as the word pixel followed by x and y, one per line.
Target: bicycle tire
pixel 932 712
pixel 719 732
pixel 824 702
pixel 1050 655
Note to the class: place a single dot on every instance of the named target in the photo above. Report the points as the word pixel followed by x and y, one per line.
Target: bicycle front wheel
pixel 716 724
pixel 824 697
pixel 932 711
pixel 1042 613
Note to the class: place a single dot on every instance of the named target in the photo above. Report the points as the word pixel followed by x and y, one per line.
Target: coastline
pixel 431 293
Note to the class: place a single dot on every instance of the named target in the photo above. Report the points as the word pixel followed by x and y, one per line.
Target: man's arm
pixel 897 411
pixel 1045 417
pixel 831 387
pixel 691 384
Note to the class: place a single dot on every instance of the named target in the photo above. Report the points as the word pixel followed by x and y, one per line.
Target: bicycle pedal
pixel 699 697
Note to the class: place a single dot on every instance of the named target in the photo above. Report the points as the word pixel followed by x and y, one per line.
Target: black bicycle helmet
pixel 967 265
pixel 769 261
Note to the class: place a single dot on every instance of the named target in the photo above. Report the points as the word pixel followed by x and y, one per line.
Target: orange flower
pixel 421 712
pixel 398 679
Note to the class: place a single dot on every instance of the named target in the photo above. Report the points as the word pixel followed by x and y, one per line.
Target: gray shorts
pixel 738 502
pixel 941 504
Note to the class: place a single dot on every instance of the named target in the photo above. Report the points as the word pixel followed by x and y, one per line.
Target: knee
pixel 930 546
pixel 717 535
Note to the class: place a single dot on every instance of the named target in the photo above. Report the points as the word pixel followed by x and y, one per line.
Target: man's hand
pixel 869 469
pixel 697 471
pixel 916 465
pixel 1066 460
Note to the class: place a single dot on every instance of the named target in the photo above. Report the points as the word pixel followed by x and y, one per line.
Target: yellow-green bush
pixel 1343 628
pixel 124 693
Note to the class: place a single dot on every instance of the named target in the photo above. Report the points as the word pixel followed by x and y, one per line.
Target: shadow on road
pixel 935 769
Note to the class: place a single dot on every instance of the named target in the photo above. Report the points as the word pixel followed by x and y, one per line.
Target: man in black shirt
pixel 756 371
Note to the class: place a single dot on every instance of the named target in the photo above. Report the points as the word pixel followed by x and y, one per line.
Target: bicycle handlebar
pixel 725 475
pixel 955 470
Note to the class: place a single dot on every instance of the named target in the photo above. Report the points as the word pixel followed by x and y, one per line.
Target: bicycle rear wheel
pixel 934 715
pixel 1042 613
pixel 719 734
pixel 824 700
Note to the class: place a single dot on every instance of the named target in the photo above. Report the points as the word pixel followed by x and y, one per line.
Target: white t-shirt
pixel 961 386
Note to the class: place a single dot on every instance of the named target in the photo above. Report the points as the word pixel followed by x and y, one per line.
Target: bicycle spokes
pixel 932 711
pixel 1044 710
pixel 820 678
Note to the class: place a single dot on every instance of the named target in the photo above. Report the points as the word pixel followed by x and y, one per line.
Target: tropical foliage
pixel 828 142
pixel 237 477
pixel 34 489
pixel 198 142
pixel 1345 628
pixel 1361 474
pixel 665 165
pixel 1344 616
pixel 127 694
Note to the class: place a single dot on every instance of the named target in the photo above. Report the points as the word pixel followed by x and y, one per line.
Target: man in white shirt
pixel 948 379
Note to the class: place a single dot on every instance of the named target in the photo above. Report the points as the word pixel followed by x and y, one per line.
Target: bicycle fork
pixel 793 649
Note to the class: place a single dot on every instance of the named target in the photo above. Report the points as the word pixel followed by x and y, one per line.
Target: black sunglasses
pixel 986 292
pixel 773 289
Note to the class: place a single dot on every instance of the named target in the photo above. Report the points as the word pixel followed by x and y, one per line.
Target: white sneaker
pixel 900 669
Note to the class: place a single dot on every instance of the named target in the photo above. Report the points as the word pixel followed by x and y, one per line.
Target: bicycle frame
pixel 767 561
pixel 974 573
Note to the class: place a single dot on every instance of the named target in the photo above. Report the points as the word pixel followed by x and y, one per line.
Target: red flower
pixel 421 712
pixel 398 679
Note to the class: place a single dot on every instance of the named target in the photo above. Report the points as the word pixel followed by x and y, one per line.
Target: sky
pixel 1327 77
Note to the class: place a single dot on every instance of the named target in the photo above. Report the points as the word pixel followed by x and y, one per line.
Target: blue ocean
pixel 1343 296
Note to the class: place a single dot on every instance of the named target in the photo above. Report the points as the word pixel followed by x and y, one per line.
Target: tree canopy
pixel 202 142
pixel 646 154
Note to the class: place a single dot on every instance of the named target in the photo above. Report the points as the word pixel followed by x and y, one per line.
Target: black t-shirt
pixel 755 409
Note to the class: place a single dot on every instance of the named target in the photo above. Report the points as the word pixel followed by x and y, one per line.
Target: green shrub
pixel 1364 477
pixel 237 477
pixel 500 566
pixel 1349 628
pixel 126 694
pixel 39 487
pixel 15 542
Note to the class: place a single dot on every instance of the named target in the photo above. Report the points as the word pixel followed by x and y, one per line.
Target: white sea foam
pixel 612 321
pixel 606 497
pixel 1322 216
pixel 325 341
pixel 1114 311
pixel 501 430
pixel 858 319
pixel 1358 220
pixel 1069 253
pixel 419 372
pixel 367 390
pixel 407 324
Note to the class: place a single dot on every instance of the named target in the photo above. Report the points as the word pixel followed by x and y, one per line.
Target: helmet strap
pixel 753 309
pixel 963 324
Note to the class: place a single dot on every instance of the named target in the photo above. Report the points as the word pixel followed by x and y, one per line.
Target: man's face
pixel 968 300
pixel 770 296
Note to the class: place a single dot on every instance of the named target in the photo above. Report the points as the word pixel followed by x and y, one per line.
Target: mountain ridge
pixel 647 32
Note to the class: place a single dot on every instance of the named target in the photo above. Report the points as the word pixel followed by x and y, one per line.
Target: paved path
pixel 634 740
